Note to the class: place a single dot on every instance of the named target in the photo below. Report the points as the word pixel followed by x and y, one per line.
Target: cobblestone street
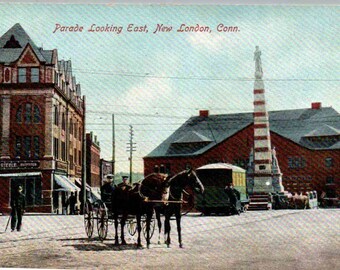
pixel 286 239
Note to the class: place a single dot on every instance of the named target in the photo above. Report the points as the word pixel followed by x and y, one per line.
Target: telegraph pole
pixel 131 148
pixel 113 145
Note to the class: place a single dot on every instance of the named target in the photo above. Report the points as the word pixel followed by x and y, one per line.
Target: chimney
pixel 204 113
pixel 316 105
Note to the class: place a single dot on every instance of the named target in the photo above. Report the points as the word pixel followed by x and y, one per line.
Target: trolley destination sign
pixel 18 164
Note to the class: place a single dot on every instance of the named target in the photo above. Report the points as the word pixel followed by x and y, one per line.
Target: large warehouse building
pixel 307 144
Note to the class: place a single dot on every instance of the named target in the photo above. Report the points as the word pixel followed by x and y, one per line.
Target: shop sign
pixel 18 164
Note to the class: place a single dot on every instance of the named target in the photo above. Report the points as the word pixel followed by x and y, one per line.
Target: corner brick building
pixel 307 144
pixel 41 124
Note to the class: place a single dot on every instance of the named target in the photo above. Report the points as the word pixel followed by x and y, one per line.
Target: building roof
pixel 221 166
pixel 14 41
pixel 295 125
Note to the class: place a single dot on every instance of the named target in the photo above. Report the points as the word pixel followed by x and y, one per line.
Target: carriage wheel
pixel 152 227
pixel 88 219
pixel 132 227
pixel 189 198
pixel 102 221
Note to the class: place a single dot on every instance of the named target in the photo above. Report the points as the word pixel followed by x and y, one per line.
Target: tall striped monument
pixel 262 153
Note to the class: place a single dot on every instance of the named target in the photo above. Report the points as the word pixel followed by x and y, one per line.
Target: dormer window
pixel 28 75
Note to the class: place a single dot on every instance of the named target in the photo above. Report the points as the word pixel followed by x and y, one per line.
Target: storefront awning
pixel 64 183
pixel 79 184
pixel 22 174
pixel 96 193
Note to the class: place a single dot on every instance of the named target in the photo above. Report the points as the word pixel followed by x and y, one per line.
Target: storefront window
pixel 31 188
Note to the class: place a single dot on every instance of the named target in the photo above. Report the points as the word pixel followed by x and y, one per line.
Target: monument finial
pixel 258 63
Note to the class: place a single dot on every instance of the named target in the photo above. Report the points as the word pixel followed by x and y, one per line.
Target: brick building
pixel 93 177
pixel 41 124
pixel 307 144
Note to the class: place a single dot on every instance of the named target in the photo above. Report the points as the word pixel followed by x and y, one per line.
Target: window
pixel 56 148
pixel 71 162
pixel 36 146
pixel 56 115
pixel 79 157
pixel 63 150
pixel 71 126
pixel 18 116
pixel 28 75
pixel 63 125
pixel 79 134
pixel 296 162
pixel 75 130
pixel 18 146
pixel 25 110
pixel 31 188
pixel 329 162
pixel 262 167
pixel 27 146
pixel 28 113
pixel 156 169
pixel 36 115
pixel 329 180
pixel 34 75
pixel 22 75
pixel 75 156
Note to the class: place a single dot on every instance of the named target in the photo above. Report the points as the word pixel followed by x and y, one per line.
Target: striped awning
pixel 64 183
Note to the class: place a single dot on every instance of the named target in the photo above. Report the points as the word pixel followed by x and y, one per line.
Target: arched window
pixel 28 113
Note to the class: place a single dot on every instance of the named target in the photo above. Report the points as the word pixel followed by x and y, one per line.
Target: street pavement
pixel 284 239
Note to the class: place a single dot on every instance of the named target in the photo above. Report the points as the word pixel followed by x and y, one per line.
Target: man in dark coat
pixel 72 201
pixel 18 204
pixel 107 189
pixel 234 196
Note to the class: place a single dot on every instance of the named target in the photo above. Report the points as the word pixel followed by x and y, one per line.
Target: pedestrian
pixel 234 196
pixel 72 201
pixel 18 204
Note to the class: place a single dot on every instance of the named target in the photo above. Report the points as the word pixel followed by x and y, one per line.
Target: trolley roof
pixel 221 166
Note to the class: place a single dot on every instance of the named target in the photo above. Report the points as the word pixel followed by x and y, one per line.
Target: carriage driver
pixel 107 188
pixel 125 183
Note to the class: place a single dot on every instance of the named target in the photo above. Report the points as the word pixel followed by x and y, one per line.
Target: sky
pixel 156 81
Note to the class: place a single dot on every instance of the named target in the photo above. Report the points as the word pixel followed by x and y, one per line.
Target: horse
pixel 299 201
pixel 137 201
pixel 177 184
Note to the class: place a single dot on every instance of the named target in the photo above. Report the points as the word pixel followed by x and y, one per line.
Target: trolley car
pixel 215 177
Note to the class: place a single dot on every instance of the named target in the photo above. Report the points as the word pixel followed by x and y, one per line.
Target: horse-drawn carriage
pixel 135 206
pixel 97 213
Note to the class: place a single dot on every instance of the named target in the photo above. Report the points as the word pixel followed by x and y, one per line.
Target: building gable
pixel 28 58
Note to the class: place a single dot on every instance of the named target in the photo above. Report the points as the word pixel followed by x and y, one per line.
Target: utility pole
pixel 113 145
pixel 131 148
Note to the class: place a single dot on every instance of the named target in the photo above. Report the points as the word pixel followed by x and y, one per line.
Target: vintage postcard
pixel 174 136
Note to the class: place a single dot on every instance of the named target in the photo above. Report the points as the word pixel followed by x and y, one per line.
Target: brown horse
pixel 137 201
pixel 177 185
